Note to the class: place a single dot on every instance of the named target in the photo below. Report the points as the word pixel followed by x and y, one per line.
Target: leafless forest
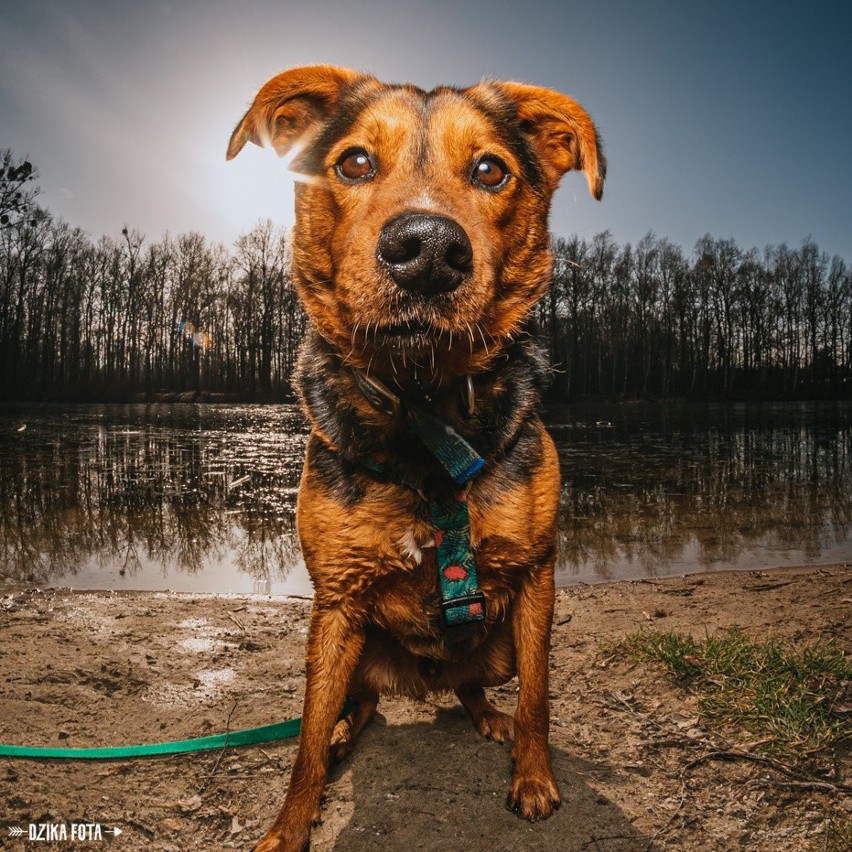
pixel 121 317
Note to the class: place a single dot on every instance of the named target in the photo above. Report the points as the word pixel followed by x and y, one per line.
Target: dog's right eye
pixel 490 173
pixel 355 165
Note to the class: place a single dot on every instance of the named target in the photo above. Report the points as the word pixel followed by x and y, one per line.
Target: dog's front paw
pixel 533 797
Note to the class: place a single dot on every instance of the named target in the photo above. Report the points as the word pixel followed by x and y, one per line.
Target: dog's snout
pixel 425 254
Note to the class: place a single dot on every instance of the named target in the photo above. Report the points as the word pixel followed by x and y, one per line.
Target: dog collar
pixel 462 602
pixel 455 455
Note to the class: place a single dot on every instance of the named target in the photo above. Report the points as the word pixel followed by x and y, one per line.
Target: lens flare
pixel 199 338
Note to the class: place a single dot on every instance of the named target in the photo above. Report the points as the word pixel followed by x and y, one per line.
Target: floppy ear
pixel 288 105
pixel 561 132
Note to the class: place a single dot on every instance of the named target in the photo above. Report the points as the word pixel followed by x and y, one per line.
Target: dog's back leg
pixel 364 702
pixel 487 719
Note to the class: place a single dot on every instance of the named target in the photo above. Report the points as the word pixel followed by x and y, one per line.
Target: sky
pixel 728 118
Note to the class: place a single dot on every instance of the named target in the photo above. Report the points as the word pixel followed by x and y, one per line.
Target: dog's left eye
pixel 490 173
pixel 355 165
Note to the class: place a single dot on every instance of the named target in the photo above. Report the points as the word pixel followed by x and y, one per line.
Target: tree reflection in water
pixel 202 498
pixel 105 496
pixel 658 489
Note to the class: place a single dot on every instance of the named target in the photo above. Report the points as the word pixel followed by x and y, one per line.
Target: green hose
pixel 249 736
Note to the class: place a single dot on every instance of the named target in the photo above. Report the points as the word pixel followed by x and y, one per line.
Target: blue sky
pixel 727 118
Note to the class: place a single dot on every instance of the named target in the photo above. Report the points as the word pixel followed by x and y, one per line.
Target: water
pixel 202 498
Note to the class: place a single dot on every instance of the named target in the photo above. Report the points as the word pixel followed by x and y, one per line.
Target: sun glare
pixel 289 158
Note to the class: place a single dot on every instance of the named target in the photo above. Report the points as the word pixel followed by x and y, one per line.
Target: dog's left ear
pixel 560 130
pixel 289 105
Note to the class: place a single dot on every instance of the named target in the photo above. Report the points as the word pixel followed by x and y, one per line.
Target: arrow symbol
pixel 15 831
pixel 116 831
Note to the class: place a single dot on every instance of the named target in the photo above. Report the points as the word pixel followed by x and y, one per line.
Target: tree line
pixel 648 320
pixel 123 317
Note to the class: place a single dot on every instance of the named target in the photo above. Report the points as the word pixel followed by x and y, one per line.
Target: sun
pixel 256 185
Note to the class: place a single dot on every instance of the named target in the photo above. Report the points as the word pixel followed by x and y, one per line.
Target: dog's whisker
pixel 479 329
pixel 470 336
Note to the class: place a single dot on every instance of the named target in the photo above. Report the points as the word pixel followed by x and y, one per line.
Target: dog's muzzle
pixel 425 254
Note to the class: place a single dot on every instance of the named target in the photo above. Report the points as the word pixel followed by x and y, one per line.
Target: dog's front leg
pixel 534 794
pixel 335 642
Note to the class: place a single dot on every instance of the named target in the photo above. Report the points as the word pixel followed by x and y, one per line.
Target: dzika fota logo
pixel 55 832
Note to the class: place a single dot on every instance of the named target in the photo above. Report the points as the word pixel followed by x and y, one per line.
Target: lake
pixel 201 498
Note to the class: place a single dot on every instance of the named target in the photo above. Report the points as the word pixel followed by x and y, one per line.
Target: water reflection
pixel 202 498
pixel 182 497
pixel 656 489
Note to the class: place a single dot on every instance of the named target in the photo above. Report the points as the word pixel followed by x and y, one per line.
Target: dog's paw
pixel 341 743
pixel 289 842
pixel 533 797
pixel 494 725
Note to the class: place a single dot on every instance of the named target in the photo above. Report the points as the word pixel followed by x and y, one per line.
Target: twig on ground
pixel 800 777
pixel 673 817
pixel 221 754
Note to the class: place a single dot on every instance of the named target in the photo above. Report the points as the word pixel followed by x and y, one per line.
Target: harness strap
pixel 462 602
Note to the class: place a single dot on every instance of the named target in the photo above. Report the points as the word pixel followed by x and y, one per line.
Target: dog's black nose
pixel 425 254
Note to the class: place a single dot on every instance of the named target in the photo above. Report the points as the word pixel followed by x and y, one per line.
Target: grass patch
pixel 794 696
pixel 838 834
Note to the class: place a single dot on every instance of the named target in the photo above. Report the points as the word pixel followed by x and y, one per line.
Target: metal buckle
pixel 458 603
pixel 378 395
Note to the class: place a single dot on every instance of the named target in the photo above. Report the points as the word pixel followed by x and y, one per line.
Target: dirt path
pixel 86 669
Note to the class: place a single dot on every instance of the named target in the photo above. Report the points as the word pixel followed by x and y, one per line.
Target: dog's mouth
pixel 412 335
pixel 426 337
pixel 419 346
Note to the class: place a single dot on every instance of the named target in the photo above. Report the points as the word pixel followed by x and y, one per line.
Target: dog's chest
pixel 408 596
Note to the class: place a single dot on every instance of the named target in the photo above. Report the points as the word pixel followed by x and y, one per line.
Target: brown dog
pixel 419 250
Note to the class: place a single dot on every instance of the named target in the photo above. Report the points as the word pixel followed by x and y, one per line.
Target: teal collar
pixel 455 455
pixel 462 602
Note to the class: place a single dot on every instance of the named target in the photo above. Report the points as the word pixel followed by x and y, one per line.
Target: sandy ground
pixel 630 751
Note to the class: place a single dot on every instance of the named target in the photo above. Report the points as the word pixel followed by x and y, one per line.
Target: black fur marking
pixel 500 429
pixel 506 127
pixel 353 101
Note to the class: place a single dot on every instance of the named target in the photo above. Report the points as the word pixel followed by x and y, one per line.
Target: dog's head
pixel 421 239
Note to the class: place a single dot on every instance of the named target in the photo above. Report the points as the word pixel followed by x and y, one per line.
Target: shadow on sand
pixel 437 785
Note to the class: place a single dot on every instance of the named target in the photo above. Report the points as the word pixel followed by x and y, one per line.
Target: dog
pixel 428 502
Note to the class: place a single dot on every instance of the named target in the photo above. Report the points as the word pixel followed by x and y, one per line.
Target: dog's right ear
pixel 288 105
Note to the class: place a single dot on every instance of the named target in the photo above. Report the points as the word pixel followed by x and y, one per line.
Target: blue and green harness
pixel 462 601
